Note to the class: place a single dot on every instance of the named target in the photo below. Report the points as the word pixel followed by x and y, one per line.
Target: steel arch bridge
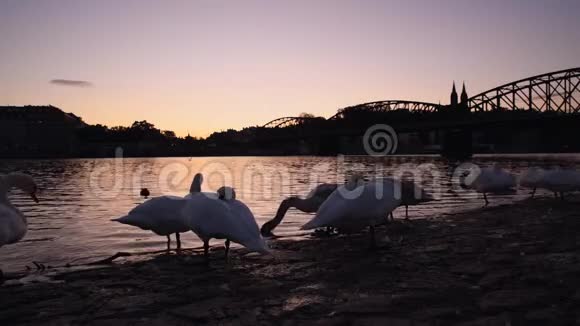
pixel 557 91
pixel 289 122
pixel 387 106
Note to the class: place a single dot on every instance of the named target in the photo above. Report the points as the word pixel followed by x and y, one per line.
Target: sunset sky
pixel 199 66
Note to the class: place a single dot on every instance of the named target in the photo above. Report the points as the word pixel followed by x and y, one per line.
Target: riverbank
pixel 508 265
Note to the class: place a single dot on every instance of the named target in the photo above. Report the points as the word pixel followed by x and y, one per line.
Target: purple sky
pixel 201 66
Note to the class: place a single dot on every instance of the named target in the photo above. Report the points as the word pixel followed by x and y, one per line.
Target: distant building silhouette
pixel 464 97
pixel 453 96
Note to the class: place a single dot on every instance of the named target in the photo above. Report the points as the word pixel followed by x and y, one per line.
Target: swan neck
pixel 196 184
pixel 280 213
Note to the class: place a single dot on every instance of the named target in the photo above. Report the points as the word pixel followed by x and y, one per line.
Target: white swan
pixel 13 224
pixel 490 180
pixel 163 215
pixel 353 207
pixel 224 218
pixel 533 178
pixel 561 181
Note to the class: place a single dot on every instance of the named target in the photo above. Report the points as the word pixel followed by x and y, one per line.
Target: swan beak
pixel 33 196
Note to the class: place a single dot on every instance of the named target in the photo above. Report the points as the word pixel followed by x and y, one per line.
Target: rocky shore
pixel 515 264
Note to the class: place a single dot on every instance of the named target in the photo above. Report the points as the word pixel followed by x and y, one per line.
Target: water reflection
pixel 80 196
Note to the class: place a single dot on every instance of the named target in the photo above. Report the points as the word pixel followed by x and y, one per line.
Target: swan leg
pixel 533 192
pixel 485 198
pixel 227 247
pixel 562 196
pixel 406 212
pixel 168 243
pixel 206 249
pixel 178 240
pixel 373 242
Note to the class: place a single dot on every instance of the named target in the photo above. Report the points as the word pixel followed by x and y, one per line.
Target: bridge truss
pixel 552 92
pixel 387 106
pixel 289 122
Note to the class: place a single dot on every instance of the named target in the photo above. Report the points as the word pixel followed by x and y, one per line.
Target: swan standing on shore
pixel 224 218
pixel 354 207
pixel 163 215
pixel 494 180
pixel 533 179
pixel 561 181
pixel 13 224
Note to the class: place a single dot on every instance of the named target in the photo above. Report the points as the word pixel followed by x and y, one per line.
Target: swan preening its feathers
pixel 216 215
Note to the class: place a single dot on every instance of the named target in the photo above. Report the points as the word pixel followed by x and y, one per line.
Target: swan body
pixel 561 181
pixel 13 224
pixel 490 180
pixel 353 208
pixel 163 215
pixel 225 218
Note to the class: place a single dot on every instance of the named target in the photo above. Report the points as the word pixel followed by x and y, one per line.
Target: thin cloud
pixel 71 83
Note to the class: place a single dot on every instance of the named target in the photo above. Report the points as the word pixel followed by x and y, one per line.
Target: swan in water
pixel 494 180
pixel 354 207
pixel 163 215
pixel 309 204
pixel 224 218
pixel 533 178
pixel 13 224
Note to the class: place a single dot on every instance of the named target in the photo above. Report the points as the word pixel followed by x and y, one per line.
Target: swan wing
pixel 220 219
pixel 365 205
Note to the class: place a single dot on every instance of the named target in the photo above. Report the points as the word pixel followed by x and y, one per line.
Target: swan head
pixel 196 183
pixel 23 182
pixel 226 193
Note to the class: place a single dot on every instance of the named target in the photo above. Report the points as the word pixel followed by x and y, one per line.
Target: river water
pixel 78 197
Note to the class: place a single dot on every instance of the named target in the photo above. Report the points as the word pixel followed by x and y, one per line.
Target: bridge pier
pixel 457 144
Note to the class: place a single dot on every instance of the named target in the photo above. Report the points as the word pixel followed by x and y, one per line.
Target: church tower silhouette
pixel 464 97
pixel 453 96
